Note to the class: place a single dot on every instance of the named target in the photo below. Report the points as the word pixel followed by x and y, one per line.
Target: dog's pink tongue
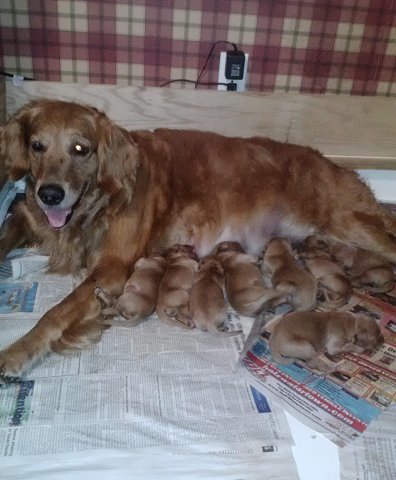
pixel 57 218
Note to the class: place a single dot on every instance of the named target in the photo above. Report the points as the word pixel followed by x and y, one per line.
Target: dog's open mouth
pixel 59 218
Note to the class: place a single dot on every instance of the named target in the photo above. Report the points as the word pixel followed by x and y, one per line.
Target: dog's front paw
pixel 12 363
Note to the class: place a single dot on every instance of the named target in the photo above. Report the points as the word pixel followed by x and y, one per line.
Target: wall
pixel 337 46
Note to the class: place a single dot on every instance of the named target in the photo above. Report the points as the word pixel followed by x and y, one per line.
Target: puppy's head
pixel 211 263
pixel 367 333
pixel 316 242
pixel 224 247
pixel 278 246
pixel 179 251
pixel 67 151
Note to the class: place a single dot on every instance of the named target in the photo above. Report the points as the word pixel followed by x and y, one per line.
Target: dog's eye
pixel 37 146
pixel 80 149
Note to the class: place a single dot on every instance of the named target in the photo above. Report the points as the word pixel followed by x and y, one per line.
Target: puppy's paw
pixel 105 298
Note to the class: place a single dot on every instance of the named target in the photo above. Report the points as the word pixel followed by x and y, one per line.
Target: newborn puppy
pixel 207 303
pixel 366 269
pixel 139 297
pixel 295 285
pixel 306 335
pixel 174 288
pixel 244 284
pixel 334 287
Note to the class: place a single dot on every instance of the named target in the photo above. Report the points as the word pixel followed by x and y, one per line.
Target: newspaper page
pixel 341 403
pixel 153 386
pixel 8 193
pixel 122 464
pixel 373 456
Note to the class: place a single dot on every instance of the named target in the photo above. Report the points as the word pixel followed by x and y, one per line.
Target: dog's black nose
pixel 51 194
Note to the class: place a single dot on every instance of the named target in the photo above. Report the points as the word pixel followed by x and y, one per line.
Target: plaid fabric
pixel 342 46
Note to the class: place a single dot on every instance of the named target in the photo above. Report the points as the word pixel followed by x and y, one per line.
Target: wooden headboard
pixel 358 132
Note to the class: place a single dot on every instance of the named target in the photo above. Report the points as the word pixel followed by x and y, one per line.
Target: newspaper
pixel 8 193
pixel 372 457
pixel 341 403
pixel 150 387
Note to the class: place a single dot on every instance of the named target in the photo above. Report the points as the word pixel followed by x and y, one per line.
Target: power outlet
pixel 240 84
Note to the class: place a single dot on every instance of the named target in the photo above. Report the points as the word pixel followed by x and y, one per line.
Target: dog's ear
pixel 13 145
pixel 118 158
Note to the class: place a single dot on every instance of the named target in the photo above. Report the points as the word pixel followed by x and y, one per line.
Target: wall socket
pixel 241 84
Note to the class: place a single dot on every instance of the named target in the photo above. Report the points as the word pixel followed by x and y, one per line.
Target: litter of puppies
pixel 317 274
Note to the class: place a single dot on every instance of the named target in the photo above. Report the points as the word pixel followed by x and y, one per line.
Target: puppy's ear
pixel 13 145
pixel 118 158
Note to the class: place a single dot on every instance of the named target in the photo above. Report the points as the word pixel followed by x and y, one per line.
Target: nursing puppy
pixel 365 269
pixel 306 335
pixel 139 298
pixel 207 303
pixel 174 288
pixel 295 285
pixel 245 288
pixel 334 287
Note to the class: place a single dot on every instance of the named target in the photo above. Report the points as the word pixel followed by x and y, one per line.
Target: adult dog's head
pixel 67 150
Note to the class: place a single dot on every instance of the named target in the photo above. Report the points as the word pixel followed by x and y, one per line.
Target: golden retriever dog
pixel 207 303
pixel 174 288
pixel 367 270
pixel 246 290
pixel 306 335
pixel 295 285
pixel 100 197
pixel 334 286
pixel 139 298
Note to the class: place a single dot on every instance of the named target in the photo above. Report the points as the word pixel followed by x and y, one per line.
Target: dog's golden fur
pixel 305 335
pixel 139 297
pixel 174 288
pixel 295 285
pixel 334 286
pixel 246 289
pixel 126 194
pixel 207 302
pixel 367 270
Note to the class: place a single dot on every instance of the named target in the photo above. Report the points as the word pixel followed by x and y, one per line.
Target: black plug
pixel 232 86
pixel 235 65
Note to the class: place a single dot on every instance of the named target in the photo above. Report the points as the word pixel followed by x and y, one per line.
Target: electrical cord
pixel 197 81
pixel 210 54
pixel 191 81
pixel 12 75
